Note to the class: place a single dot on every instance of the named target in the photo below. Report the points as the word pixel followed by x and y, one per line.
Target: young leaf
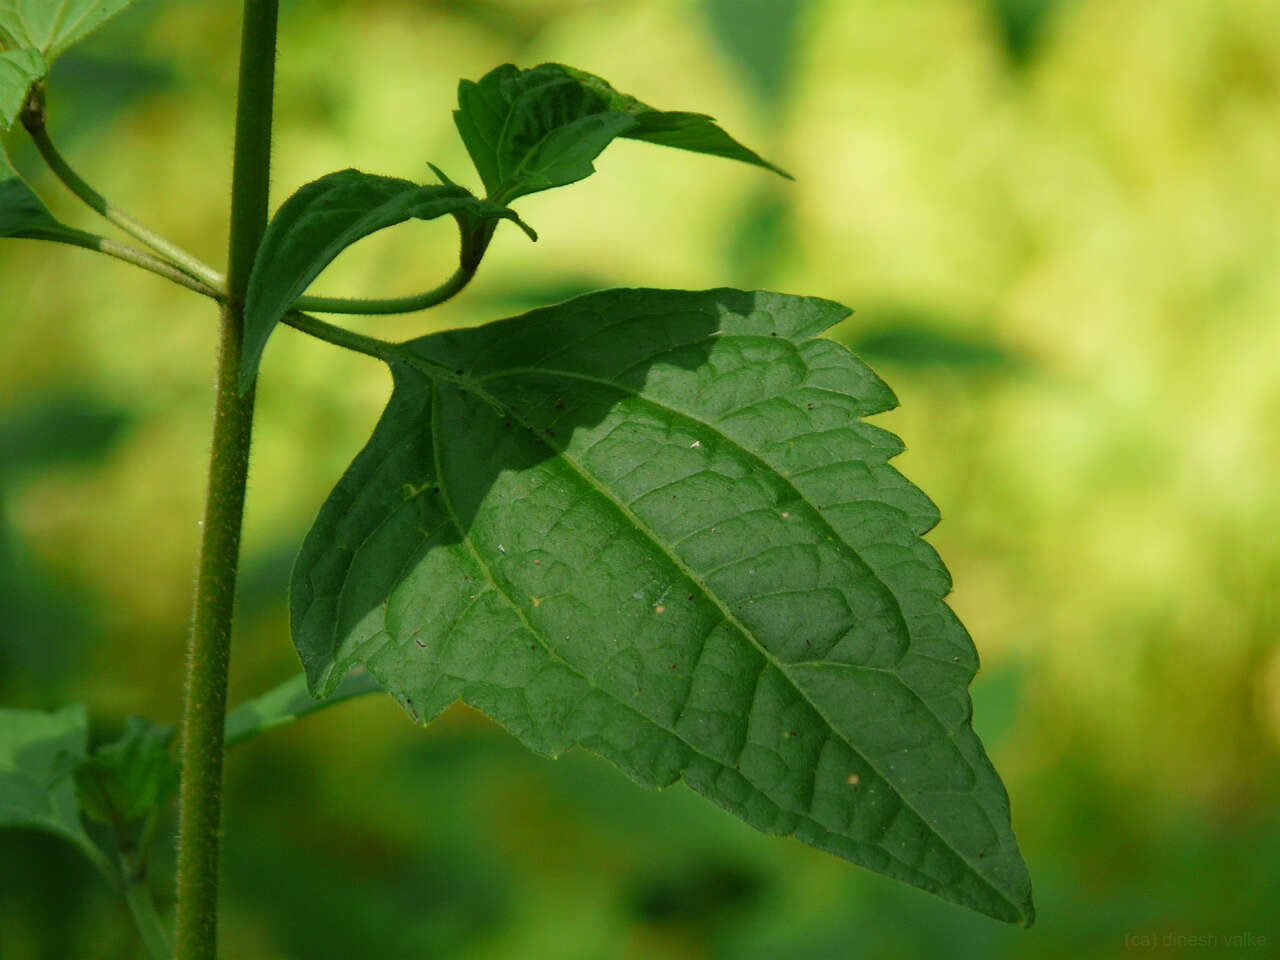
pixel 51 26
pixel 654 524
pixel 324 218
pixel 123 781
pixel 38 752
pixel 531 130
pixel 22 214
pixel 19 69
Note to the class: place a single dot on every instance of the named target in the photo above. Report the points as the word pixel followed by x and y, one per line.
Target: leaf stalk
pixel 34 120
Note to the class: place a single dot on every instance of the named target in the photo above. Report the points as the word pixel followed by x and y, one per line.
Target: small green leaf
pixel 38 752
pixel 289 701
pixel 324 218
pixel 51 26
pixel 19 69
pixel 22 214
pixel 531 130
pixel 654 524
pixel 124 781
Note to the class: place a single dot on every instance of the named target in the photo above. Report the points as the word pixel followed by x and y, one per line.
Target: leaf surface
pixel 22 214
pixel 654 524
pixel 38 753
pixel 325 217
pixel 531 130
pixel 19 69
pixel 51 26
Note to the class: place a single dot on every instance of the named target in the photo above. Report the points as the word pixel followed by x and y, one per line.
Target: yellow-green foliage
pixel 1108 214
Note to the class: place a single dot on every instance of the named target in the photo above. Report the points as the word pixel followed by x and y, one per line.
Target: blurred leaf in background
pixel 45 618
pixel 918 338
pixel 1023 26
pixel 760 37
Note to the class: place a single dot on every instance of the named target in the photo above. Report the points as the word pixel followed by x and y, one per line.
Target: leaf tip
pixel 440 174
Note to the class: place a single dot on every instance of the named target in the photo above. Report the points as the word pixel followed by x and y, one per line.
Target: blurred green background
pixel 1059 224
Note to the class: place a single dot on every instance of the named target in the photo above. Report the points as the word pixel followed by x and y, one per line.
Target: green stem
pixel 339 336
pixel 204 714
pixel 137 892
pixel 33 118
pixel 431 298
pixel 150 926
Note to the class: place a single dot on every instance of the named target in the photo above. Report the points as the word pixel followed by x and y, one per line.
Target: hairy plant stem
pixel 204 713
pixel 33 119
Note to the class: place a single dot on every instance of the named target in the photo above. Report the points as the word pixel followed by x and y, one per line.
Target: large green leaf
pixel 654 524
pixel 52 26
pixel 38 753
pixel 22 214
pixel 19 69
pixel 321 220
pixel 530 130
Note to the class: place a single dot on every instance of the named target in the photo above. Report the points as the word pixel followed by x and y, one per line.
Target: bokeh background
pixel 1059 224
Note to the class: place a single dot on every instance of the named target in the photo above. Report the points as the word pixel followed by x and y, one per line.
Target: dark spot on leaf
pixel 559 403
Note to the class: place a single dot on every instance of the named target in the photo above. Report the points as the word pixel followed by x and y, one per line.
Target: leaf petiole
pixel 422 301
pixel 383 350
pixel 162 268
pixel 33 119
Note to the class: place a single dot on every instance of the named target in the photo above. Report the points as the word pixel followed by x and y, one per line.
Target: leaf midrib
pixel 429 370
pixel 739 448
pixel 706 591
pixel 728 617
